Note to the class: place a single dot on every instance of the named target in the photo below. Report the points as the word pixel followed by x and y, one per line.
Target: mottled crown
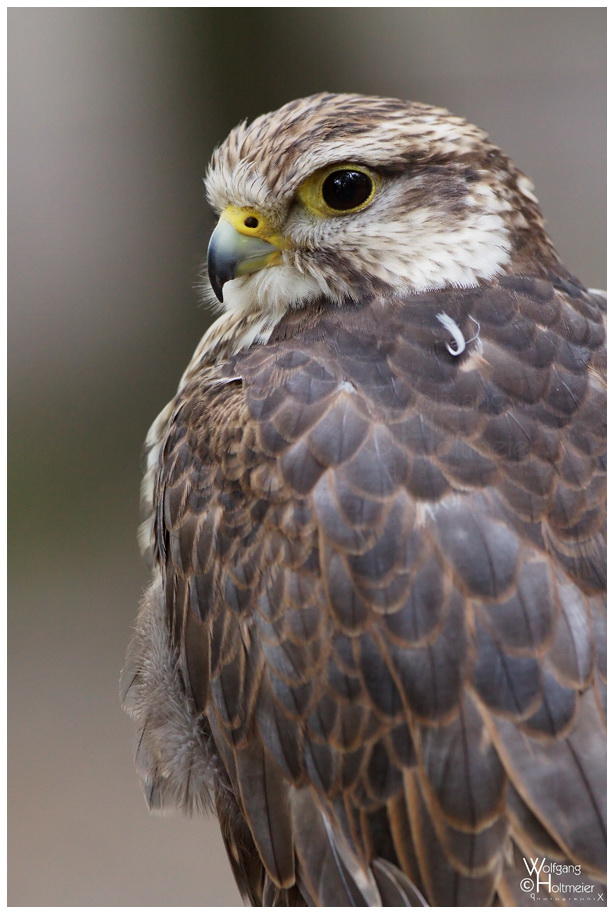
pixel 286 145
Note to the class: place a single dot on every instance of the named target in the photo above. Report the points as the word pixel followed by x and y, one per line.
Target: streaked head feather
pixel 452 210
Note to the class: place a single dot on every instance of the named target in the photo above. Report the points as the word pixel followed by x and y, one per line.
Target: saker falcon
pixel 374 639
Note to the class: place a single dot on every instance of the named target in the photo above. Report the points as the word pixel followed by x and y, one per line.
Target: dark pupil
pixel 346 189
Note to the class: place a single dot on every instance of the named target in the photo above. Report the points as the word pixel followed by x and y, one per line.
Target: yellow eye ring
pixel 339 190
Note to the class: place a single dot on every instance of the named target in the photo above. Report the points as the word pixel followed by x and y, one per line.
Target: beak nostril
pixel 251 222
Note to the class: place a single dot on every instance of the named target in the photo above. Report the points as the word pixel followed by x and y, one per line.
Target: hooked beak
pixel 240 244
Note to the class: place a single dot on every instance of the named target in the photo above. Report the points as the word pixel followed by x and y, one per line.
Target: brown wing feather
pixel 384 571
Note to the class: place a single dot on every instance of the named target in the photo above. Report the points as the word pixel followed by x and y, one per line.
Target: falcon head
pixel 341 196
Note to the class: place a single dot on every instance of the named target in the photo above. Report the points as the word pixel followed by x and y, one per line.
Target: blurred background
pixel 113 114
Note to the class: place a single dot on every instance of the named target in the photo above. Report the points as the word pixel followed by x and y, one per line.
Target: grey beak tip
pixel 217 286
pixel 215 274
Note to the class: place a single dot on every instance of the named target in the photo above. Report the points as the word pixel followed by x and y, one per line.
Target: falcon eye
pixel 251 222
pixel 346 189
pixel 339 189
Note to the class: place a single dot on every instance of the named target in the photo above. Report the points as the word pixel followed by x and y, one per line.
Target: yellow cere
pixel 311 195
pixel 250 222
